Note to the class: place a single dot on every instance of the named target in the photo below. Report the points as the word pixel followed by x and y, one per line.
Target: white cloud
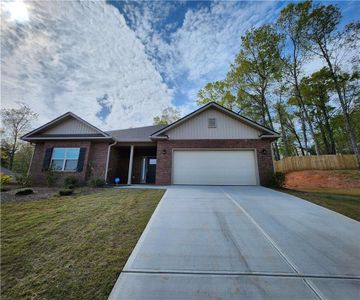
pixel 203 47
pixel 71 53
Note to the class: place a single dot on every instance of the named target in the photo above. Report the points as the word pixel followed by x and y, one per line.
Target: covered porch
pixel 132 163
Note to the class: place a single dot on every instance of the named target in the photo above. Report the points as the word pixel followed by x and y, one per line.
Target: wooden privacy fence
pixel 321 162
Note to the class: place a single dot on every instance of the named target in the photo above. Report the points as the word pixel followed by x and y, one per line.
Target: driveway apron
pixel 242 242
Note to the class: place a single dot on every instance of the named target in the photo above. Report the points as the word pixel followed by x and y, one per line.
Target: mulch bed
pixel 42 193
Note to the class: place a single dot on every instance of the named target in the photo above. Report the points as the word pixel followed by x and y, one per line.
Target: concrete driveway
pixel 242 242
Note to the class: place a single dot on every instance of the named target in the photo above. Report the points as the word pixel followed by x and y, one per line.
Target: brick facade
pixel 94 162
pixel 96 155
pixel 165 148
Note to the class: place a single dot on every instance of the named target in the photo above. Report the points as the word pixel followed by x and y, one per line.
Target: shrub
pixel 97 182
pixel 66 192
pixel 23 180
pixel 5 179
pixel 71 182
pixel 23 192
pixel 50 176
pixel 276 180
pixel 4 189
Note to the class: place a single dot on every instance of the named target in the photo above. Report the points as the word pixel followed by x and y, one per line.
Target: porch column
pixel 130 164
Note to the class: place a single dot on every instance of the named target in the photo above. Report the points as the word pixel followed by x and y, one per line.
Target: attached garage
pixel 215 167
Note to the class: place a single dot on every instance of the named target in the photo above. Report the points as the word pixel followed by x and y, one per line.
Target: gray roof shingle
pixel 138 134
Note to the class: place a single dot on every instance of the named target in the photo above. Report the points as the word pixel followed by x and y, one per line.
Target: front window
pixel 65 159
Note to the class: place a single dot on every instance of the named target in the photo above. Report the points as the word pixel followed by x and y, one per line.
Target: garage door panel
pixel 214 167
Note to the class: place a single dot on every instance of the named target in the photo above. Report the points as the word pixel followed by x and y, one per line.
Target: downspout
pixel 107 160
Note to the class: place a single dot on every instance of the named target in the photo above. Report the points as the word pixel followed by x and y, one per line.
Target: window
pixel 152 161
pixel 65 159
pixel 211 123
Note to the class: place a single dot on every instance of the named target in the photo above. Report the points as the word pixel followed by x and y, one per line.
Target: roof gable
pixel 231 125
pixel 67 126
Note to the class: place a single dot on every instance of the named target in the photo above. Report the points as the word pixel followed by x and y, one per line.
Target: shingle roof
pixel 138 134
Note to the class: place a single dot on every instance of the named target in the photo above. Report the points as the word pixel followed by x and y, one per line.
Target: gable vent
pixel 211 123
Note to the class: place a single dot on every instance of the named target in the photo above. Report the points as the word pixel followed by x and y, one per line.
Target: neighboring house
pixel 211 146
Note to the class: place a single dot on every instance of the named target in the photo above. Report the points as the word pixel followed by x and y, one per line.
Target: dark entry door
pixel 151 169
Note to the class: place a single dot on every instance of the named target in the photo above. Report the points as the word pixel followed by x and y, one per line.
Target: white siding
pixel 226 128
pixel 70 126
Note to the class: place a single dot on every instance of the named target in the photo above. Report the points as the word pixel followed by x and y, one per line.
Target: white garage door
pixel 214 167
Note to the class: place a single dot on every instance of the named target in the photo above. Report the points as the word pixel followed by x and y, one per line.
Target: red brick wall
pixel 164 161
pixel 94 163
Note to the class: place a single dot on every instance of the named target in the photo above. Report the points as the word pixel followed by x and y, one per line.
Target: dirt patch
pixel 42 193
pixel 334 179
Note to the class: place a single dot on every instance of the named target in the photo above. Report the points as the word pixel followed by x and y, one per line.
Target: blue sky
pixel 118 64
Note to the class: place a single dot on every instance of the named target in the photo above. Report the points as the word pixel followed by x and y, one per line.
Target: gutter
pixel 107 160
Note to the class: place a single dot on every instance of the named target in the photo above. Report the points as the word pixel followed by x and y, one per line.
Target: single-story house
pixel 210 146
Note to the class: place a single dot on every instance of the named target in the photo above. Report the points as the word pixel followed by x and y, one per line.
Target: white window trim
pixel 64 159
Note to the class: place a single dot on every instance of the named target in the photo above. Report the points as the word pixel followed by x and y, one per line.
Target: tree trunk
pixel 347 123
pixel 12 152
pixel 291 127
pixel 303 129
pixel 267 111
pixel 300 99
pixel 306 116
pixel 329 130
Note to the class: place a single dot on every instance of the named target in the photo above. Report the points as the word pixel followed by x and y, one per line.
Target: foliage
pixel 4 152
pixel 269 81
pixel 23 180
pixel 276 180
pixel 22 158
pixel 23 192
pixel 71 182
pixel 50 177
pixel 4 179
pixel 97 182
pixel 16 122
pixel 168 115
pixel 66 192
pixel 219 92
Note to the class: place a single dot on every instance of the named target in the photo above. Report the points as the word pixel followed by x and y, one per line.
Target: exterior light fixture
pixel 164 152
pixel 263 151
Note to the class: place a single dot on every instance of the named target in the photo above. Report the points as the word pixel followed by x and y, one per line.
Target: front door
pixel 150 169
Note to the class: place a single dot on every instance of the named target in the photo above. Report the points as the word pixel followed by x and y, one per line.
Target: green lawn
pixel 348 205
pixel 71 247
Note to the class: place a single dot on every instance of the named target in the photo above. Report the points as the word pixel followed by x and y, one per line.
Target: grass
pixel 348 205
pixel 71 247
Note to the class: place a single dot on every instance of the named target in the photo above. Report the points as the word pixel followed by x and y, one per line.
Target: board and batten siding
pixel 70 126
pixel 227 127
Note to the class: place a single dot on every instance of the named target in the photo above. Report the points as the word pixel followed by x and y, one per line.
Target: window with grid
pixel 65 159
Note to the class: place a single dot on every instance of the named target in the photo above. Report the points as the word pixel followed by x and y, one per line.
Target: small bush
pixel 23 192
pixel 5 179
pixel 66 192
pixel 97 182
pixel 50 176
pixel 71 182
pixel 23 180
pixel 276 180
